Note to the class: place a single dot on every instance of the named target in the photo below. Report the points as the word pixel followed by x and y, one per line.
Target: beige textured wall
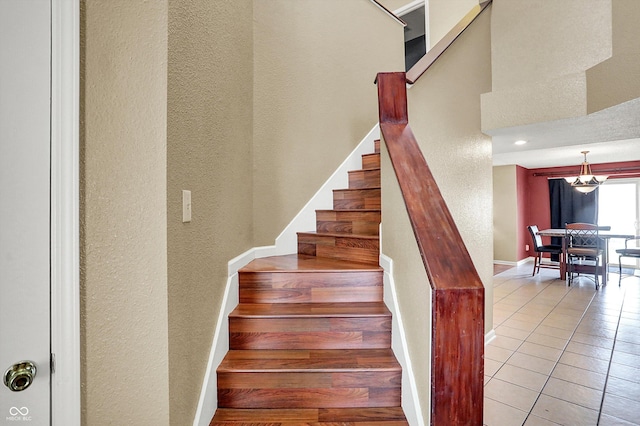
pixel 539 41
pixel 444 113
pixel 314 97
pixel 394 4
pixel 209 153
pixel 444 15
pixel 615 80
pixel 410 276
pixel 505 237
pixel 123 213
pixel 540 53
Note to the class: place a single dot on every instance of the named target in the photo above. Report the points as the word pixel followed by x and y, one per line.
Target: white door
pixel 25 75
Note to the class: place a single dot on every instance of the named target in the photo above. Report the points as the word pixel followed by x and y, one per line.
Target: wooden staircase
pixel 310 341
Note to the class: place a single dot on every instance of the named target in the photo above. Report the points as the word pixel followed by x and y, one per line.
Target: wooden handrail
pixel 427 60
pixel 457 342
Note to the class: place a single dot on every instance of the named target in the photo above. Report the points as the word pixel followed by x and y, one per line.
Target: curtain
pixel 568 205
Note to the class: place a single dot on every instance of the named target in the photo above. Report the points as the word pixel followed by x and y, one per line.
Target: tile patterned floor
pixel 563 355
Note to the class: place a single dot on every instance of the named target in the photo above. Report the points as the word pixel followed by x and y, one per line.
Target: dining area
pixel 583 249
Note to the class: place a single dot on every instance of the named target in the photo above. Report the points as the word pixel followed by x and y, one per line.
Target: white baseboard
pixel 208 402
pixel 523 261
pixel 410 400
pixel 489 337
pixel 510 263
pixel 504 262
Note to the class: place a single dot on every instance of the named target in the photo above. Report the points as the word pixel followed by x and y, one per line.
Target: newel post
pixel 457 293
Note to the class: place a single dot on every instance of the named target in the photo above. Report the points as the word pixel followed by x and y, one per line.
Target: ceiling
pixel 610 135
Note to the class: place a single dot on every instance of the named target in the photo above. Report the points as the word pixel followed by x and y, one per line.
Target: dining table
pixel 604 232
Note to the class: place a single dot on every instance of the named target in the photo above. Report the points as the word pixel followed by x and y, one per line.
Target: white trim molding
pixel 65 208
pixel 488 338
pixel 511 263
pixel 410 7
pixel 410 400
pixel 208 402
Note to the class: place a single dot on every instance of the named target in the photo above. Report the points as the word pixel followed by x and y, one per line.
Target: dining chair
pixel 583 250
pixel 628 251
pixel 540 248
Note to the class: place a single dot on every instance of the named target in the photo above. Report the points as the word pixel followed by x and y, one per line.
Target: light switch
pixel 186 206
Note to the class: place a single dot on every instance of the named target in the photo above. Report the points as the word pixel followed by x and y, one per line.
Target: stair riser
pixel 310 340
pixel 311 295
pixel 371 161
pixel 363 223
pixel 309 390
pixel 308 398
pixel 341 253
pixel 385 379
pixel 310 333
pixel 297 324
pixel 387 416
pixel 364 179
pixel 341 248
pixel 329 287
pixel 348 227
pixel 356 198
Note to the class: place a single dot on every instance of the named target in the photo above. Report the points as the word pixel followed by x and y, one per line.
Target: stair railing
pixel 457 296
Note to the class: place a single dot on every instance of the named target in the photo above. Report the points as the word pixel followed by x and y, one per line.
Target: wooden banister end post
pixel 392 97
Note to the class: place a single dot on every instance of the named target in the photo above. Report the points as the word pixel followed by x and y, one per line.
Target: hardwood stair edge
pixel 264 369
pixel 376 309
pixel 281 367
pixel 341 235
pixel 308 266
pixel 309 416
pixel 369 188
pixel 364 170
pixel 349 210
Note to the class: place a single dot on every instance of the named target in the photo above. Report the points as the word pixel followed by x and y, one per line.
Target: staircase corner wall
pixel 410 399
pixel 313 97
pixel 411 296
pixel 305 220
pixel 614 81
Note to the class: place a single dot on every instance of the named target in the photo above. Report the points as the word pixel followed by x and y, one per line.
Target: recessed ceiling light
pixel 520 142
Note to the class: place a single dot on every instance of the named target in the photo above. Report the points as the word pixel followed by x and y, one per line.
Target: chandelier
pixel 586 181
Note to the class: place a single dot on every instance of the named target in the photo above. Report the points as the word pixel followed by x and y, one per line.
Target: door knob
pixel 19 376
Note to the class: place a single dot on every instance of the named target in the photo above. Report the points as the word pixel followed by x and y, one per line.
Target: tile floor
pixel 563 355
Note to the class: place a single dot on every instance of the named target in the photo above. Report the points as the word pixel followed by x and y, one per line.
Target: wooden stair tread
pixel 357 189
pixel 349 210
pixel 387 416
pixel 342 235
pixel 309 361
pixel 310 310
pixel 304 263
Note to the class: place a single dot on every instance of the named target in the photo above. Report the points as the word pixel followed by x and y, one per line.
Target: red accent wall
pixel 537 211
pixel 522 191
